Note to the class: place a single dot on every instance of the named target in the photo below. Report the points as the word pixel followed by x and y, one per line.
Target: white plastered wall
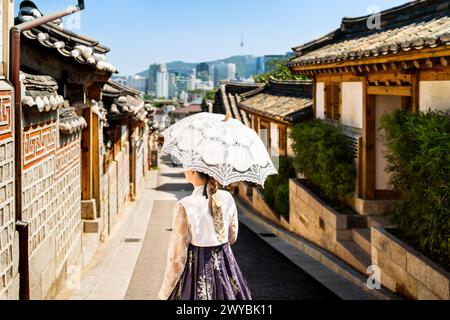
pixel 434 95
pixel 320 100
pixel 352 104
pixel 384 105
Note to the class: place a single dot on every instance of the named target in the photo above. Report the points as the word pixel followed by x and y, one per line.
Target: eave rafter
pixel 423 60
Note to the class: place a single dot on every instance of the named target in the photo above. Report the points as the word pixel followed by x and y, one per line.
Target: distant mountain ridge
pixel 186 67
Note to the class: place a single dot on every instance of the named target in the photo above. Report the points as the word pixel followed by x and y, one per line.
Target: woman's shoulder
pixel 225 193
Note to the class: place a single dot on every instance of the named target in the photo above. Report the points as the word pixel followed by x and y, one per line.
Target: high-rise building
pixel 138 82
pixel 152 71
pixel 192 81
pixel 162 82
pixel 224 71
pixel 203 71
pixel 173 90
pixel 260 65
pixel 250 66
pixel 182 84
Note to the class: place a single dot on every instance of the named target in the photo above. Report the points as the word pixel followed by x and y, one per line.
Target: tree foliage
pixel 276 188
pixel 280 71
pixel 419 160
pixel 323 156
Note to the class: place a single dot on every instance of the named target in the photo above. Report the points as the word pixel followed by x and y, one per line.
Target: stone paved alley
pixel 130 265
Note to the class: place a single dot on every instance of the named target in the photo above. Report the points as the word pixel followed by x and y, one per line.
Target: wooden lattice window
pixel 333 100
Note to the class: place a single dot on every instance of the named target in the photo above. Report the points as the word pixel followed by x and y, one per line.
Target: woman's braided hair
pixel 210 191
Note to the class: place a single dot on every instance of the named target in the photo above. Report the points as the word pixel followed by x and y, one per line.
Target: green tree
pixel 280 71
pixel 419 160
pixel 323 156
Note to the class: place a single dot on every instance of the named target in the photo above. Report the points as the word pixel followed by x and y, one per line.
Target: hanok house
pixel 228 98
pixel 360 74
pixel 62 73
pixel 274 108
pixel 184 112
pixel 124 162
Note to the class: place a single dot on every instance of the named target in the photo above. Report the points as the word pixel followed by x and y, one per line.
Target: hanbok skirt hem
pixel 211 273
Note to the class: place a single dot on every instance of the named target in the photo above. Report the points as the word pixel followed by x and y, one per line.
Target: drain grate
pixel 268 235
pixel 131 240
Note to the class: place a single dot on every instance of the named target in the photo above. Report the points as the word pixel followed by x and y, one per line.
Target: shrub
pixel 419 160
pixel 323 156
pixel 275 198
pixel 282 199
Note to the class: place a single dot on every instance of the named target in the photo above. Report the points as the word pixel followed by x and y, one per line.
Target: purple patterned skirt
pixel 211 274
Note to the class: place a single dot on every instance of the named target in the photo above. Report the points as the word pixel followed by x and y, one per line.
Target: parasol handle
pixel 227 117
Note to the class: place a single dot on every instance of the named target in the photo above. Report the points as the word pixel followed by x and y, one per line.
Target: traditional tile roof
pixel 228 98
pixel 70 122
pixel 414 26
pixel 288 101
pixel 69 44
pixel 41 92
pixel 193 108
pixel 125 101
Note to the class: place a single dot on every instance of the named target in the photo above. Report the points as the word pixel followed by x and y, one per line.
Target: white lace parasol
pixel 224 149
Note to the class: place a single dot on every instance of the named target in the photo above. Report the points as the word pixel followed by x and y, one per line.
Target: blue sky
pixel 140 32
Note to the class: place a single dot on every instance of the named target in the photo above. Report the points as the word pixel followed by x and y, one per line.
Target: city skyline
pixel 211 37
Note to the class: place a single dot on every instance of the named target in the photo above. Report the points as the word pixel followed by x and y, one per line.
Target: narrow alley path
pixel 131 265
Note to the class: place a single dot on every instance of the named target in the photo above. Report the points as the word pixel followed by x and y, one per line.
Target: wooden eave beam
pixel 392 59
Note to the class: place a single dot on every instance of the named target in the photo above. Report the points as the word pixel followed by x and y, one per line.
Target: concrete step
pixel 354 255
pixel 91 226
pixel 362 237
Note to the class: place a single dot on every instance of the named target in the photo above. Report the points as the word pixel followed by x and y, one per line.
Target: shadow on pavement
pixel 175 187
pixel 272 276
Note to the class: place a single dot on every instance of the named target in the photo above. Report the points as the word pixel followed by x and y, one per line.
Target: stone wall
pixel 259 204
pixel 405 271
pixel 113 208
pixel 104 203
pixel 313 220
pixel 51 203
pixel 9 279
pixel 139 167
pixel 123 177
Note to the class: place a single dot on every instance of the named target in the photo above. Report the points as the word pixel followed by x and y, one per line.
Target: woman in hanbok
pixel 212 151
pixel 201 264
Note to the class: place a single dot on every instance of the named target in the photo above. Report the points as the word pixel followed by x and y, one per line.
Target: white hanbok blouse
pixel 194 224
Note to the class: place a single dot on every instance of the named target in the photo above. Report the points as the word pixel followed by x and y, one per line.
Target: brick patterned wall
pixel 39 190
pixel 68 200
pixel 112 192
pixel 123 178
pixel 51 201
pixel 7 216
pixel 139 167
pixel 104 202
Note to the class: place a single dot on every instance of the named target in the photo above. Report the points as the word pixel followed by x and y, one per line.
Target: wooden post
pixel 96 140
pixel 86 156
pixel 415 91
pixel 369 156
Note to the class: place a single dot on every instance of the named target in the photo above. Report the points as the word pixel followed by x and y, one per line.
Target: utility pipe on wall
pixel 22 226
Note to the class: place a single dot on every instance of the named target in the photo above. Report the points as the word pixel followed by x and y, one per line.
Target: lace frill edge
pixel 257 178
